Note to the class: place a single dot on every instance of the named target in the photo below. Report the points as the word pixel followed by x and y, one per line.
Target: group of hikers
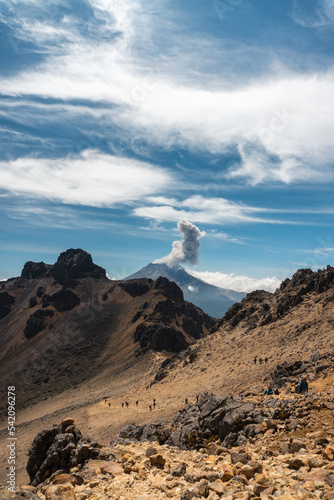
pixel 261 360
pixel 301 389
pixel 126 404
pixel 154 403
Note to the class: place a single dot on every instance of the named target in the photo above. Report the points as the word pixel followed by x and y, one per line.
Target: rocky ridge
pixel 54 318
pixel 260 308
pixel 289 454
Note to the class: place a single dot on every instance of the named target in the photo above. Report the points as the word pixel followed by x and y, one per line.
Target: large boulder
pixel 6 302
pixel 64 300
pixel 37 322
pixel 58 448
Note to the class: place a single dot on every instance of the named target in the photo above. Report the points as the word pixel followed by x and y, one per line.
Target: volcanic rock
pixel 34 270
pixel 58 448
pixel 260 308
pixel 37 322
pixel 159 338
pixel 74 264
pixel 64 300
pixel 6 302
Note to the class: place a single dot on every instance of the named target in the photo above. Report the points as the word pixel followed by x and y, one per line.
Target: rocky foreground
pixel 276 447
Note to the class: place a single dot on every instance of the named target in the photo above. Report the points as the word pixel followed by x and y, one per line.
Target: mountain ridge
pixel 298 342
pixel 57 318
pixel 214 300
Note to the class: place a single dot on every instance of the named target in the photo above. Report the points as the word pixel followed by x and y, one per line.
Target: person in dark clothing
pixel 255 360
pixel 136 403
pixel 303 386
pixel 269 391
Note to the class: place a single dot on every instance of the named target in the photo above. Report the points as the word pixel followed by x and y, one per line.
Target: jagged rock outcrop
pixel 60 447
pixel 260 308
pixel 290 372
pixel 6 302
pixel 159 337
pixel 74 264
pixel 191 427
pixel 37 322
pixel 234 422
pixel 170 288
pixel 35 270
pixel 64 300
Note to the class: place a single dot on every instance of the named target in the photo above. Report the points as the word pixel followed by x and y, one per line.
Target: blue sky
pixel 119 118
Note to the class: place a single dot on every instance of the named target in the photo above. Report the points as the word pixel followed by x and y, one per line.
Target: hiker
pixel 137 403
pixel 269 391
pixel 150 407
pixel 260 361
pixel 122 405
pixel 109 405
pixel 153 403
pixel 186 401
pixel 197 396
pixel 126 404
pixel 276 391
pixel 303 386
pixel 255 360
pixel 266 360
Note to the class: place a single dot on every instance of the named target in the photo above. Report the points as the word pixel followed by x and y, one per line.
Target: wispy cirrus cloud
pixel 219 211
pixel 316 14
pixel 279 125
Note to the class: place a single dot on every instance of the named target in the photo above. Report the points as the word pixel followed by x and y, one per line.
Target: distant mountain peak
pixel 213 300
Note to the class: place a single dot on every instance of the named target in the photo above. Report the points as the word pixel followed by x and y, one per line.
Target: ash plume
pixel 186 250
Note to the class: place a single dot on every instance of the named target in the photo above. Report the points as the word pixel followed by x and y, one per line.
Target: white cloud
pixel 282 126
pixel 90 179
pixel 213 233
pixel 318 14
pixel 232 281
pixel 207 210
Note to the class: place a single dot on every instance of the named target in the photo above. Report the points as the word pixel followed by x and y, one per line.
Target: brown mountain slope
pixel 65 323
pixel 284 327
pixel 222 362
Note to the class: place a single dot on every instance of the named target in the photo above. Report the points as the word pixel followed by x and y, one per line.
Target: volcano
pixel 214 300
